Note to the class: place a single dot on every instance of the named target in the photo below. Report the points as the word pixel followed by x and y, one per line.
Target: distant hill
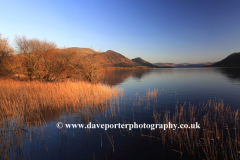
pixel 109 58
pixel 183 65
pixel 164 64
pixel 142 62
pixel 233 60
pixel 113 59
pixel 82 51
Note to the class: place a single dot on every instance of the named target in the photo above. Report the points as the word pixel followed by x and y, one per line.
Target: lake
pixel 190 84
pixel 146 92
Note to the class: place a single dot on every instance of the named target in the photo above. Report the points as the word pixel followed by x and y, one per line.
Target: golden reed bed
pixel 32 97
pixel 23 102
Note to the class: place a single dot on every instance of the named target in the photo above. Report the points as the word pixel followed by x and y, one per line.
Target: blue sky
pixel 176 31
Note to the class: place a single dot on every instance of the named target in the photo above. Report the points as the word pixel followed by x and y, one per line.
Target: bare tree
pixel 91 67
pixel 88 67
pixel 62 64
pixel 5 53
pixel 35 56
pixel 41 60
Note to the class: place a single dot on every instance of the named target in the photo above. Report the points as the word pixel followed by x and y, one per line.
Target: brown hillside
pixel 111 58
pixel 83 51
pixel 106 59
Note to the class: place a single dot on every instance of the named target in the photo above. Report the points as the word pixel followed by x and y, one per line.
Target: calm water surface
pixel 192 85
pixel 175 86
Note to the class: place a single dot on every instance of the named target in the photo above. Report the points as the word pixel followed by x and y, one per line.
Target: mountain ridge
pixel 233 60
pixel 111 58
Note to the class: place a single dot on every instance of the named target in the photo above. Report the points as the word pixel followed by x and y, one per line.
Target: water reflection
pixel 231 73
pixel 191 84
pixel 115 77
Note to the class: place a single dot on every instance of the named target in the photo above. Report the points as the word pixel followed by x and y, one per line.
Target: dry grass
pixel 218 138
pixel 152 94
pixel 35 97
pixel 25 103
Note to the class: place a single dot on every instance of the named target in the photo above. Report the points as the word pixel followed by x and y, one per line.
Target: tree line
pixel 41 60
